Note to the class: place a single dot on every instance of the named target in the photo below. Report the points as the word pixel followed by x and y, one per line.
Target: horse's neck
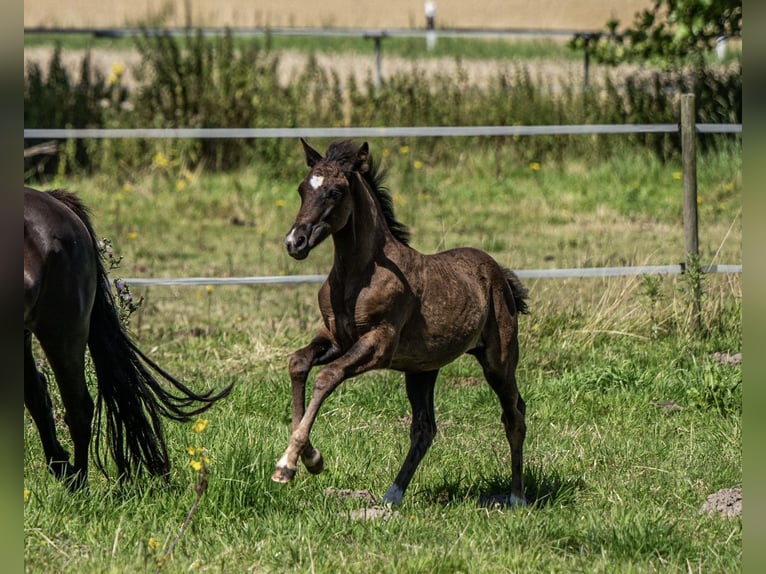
pixel 366 234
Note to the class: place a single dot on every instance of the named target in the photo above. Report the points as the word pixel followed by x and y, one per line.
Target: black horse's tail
pixel 130 398
pixel 518 290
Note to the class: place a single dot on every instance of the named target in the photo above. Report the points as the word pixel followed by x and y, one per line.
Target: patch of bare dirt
pixel 727 358
pixel 726 502
pixel 370 509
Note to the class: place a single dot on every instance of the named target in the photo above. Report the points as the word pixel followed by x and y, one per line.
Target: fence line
pixel 377 35
pixel 582 272
pixel 400 131
pixel 357 132
pixel 319 32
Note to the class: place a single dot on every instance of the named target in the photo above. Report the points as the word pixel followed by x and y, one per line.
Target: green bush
pixel 54 99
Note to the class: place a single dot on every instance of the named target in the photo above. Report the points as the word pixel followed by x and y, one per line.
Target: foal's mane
pixel 346 153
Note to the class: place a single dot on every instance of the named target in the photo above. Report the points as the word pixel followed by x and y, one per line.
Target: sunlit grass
pixel 615 472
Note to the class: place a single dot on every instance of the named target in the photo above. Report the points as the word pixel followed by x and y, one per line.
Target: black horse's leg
pixel 38 403
pixel 502 378
pixel 67 359
pixel 420 392
pixel 319 351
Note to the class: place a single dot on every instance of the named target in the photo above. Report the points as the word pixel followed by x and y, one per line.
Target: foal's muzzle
pixel 297 244
pixel 303 238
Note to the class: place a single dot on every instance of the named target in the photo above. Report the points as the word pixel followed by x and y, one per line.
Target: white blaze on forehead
pixel 316 181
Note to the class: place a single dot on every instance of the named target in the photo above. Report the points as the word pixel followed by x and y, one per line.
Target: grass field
pixel 632 422
pixel 544 14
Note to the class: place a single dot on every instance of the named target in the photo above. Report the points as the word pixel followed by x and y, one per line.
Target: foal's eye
pixel 333 193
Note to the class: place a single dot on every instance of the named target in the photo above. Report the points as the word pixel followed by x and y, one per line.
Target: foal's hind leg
pixel 420 392
pixel 38 403
pixel 501 377
pixel 67 359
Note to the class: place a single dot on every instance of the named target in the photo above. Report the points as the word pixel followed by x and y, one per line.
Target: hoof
pixel 76 481
pixel 314 464
pixel 283 474
pixel 393 496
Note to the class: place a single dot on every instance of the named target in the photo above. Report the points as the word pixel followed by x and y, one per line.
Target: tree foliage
pixel 669 32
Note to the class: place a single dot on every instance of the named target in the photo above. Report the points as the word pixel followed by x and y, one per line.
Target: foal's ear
pixel 362 163
pixel 312 156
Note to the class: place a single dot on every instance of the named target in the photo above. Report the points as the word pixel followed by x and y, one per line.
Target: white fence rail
pixel 396 131
pixel 358 132
pixel 521 273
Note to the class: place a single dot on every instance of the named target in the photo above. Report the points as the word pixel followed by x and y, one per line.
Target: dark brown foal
pixel 387 306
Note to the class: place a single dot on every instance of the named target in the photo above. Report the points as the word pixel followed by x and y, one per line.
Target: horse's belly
pixel 428 350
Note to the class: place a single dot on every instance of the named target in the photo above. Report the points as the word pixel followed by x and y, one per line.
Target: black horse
pixel 68 305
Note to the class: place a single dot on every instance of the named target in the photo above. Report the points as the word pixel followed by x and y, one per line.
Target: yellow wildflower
pixel 677 175
pixel 404 149
pixel 27 492
pixel 418 164
pixel 196 465
pixel 153 543
pixel 534 166
pixel 160 160
pixel 200 425
pixel 281 203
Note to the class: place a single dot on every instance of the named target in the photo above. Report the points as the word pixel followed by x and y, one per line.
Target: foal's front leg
pixel 372 351
pixel 320 351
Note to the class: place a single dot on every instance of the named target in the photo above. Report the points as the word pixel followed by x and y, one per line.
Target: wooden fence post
pixel 691 235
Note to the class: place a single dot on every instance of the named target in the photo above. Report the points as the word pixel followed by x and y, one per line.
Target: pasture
pixel 633 418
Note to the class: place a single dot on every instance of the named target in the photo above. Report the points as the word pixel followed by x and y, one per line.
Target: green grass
pixel 615 479
pixel 463 48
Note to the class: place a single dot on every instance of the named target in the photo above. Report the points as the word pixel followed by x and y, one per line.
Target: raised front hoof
pixel 314 464
pixel 283 474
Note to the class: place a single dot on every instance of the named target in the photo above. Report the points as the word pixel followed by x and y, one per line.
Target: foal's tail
pixel 518 290
pixel 130 398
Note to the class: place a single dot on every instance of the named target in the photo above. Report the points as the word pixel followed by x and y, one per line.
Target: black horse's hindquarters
pixel 63 274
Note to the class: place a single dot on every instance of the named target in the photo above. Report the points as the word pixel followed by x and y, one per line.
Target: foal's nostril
pixel 295 241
